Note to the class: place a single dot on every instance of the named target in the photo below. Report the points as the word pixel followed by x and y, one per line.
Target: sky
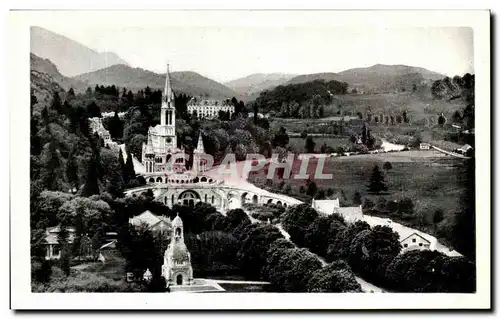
pixel 227 53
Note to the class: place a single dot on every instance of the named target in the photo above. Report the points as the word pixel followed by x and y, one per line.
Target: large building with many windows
pixel 209 109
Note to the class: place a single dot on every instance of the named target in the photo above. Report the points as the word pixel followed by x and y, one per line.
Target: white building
pixel 209 109
pixel 414 242
pixel 425 146
pixel 331 206
pixel 151 222
pixel 176 268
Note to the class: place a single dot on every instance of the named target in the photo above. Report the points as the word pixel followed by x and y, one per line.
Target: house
pixel 151 222
pixel 325 206
pixel 415 241
pixel 331 206
pixel 425 146
pixel 53 246
pixel 464 149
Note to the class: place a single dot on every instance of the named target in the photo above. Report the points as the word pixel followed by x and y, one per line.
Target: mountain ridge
pixel 134 79
pixel 378 78
pixel 257 82
pixel 71 57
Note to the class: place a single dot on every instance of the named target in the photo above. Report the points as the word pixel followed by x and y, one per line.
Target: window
pixel 205 198
pixel 406 245
pixel 413 240
pixel 212 199
pixel 420 244
pixel 55 250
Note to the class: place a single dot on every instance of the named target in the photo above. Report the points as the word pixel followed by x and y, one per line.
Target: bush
pixel 88 282
pixel 336 277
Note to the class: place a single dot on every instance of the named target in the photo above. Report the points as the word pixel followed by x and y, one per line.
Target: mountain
pixel 378 78
pixel 71 57
pixel 40 65
pixel 258 82
pixel 135 79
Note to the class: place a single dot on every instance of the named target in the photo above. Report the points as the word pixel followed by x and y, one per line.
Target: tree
pixel 376 184
pixel 438 216
pixel 387 166
pixel 356 199
pixel 441 119
pixel 255 240
pixel 371 250
pixel 303 134
pixel 56 104
pixel 464 224
pixel 289 276
pixel 457 117
pixel 309 146
pixel 336 277
pixel 51 167
pixel 91 186
pixel 72 169
pixel 255 113
pixel 311 188
pixel 121 161
pixel 129 173
pixel 93 110
pixel 281 138
pixel 431 271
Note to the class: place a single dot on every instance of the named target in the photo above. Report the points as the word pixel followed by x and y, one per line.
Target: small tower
pixel 198 162
pixel 176 267
pixel 148 155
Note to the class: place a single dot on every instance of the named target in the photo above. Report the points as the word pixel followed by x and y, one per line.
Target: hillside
pixel 43 86
pixel 46 66
pixel 258 82
pixel 134 79
pixel 378 78
pixel 71 57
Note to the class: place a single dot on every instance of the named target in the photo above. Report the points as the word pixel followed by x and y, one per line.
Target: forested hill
pixel 315 93
pixel 190 83
pixel 378 78
pixel 40 65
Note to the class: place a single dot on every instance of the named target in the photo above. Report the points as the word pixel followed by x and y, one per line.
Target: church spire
pixel 200 148
pixel 168 95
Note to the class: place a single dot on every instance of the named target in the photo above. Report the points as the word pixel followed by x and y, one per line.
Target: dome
pixel 177 222
pixel 180 252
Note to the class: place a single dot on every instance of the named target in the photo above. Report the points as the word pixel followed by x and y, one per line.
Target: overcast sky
pixel 228 53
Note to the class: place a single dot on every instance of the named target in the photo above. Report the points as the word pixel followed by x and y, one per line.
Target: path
pixel 449 153
pixel 241 282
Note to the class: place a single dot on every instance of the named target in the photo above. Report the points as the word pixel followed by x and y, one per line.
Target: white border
pixel 18 87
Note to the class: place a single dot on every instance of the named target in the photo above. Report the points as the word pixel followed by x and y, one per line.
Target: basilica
pixel 163 162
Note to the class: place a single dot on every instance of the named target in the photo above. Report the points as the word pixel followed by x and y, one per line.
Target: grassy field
pixel 431 180
pixel 298 143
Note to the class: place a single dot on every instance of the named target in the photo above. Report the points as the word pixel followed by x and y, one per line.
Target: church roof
pixel 147 218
